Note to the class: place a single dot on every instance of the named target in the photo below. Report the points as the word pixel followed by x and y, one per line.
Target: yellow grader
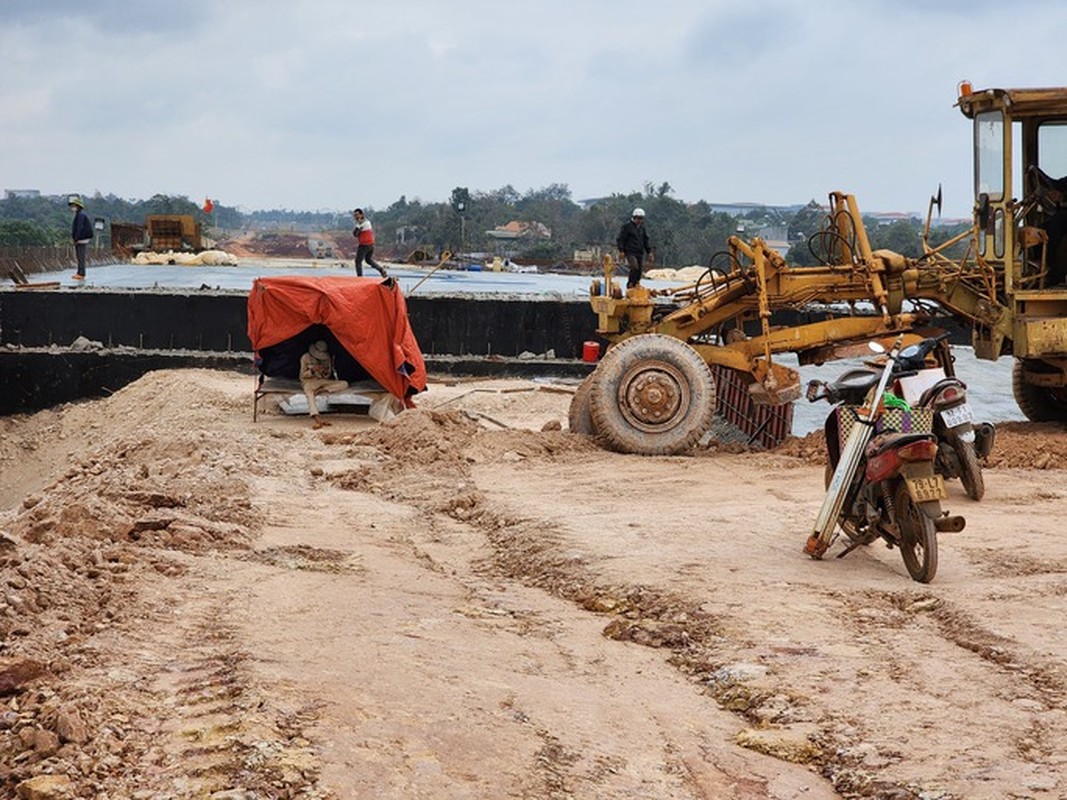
pixel 653 392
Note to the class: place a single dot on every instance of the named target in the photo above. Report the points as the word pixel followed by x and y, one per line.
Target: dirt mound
pixel 1020 445
pixel 285 245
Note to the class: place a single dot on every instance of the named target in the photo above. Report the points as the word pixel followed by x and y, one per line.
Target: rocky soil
pixel 470 602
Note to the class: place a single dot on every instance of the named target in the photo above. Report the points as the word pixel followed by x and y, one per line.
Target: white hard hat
pixel 638 212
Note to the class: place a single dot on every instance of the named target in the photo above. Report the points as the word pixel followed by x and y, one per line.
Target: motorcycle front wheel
pixel 918 537
pixel 847 524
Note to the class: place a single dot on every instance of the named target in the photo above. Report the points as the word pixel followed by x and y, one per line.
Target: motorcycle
pixel 962 442
pixel 881 481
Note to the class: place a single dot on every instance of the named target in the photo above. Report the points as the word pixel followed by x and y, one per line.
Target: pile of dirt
pixel 74 554
pixel 117 490
pixel 1019 445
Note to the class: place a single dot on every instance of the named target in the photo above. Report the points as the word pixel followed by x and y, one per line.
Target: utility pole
pixel 461 207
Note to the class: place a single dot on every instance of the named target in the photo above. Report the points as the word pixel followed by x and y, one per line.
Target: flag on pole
pixel 209 205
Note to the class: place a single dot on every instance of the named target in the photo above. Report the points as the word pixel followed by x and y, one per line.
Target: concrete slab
pixel 241 276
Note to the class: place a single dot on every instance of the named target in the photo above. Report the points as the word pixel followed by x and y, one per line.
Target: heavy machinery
pixel 654 392
pixel 159 234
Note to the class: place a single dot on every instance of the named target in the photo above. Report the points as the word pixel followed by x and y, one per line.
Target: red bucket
pixel 590 351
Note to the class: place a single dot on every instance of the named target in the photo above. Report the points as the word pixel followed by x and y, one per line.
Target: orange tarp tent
pixel 366 317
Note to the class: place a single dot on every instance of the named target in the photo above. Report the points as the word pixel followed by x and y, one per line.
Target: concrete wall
pixel 161 329
pixel 38 379
pixel 148 330
pixel 217 321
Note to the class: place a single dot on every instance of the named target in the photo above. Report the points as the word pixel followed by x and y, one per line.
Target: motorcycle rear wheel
pixel 918 537
pixel 970 470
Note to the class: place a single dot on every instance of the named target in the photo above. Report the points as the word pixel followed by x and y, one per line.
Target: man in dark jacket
pixel 633 245
pixel 81 230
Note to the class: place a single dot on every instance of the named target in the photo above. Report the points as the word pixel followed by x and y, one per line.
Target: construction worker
pixel 81 230
pixel 634 244
pixel 364 234
pixel 317 376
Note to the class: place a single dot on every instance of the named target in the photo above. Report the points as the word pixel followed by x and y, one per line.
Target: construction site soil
pixel 468 601
pixel 286 245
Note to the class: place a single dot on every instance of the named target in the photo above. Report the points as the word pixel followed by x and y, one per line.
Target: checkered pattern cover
pixel 895 420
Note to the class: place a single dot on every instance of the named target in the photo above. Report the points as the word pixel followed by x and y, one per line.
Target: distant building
pixel 947 222
pixel 589 255
pixel 24 193
pixel 776 236
pixel 740 209
pixel 889 217
pixel 520 230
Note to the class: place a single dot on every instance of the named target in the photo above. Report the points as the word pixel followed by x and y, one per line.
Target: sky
pixel 324 105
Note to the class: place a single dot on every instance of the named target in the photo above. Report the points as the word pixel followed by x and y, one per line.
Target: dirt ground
pixel 470 602
pixel 285 245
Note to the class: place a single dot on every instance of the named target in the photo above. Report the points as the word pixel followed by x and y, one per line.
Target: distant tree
pixel 939 236
pixel 801 229
pixel 16 233
pixel 901 236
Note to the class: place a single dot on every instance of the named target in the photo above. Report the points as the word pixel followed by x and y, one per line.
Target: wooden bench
pixel 266 385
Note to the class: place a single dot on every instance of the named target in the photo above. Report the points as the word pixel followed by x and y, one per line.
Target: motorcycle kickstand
pixel 852 546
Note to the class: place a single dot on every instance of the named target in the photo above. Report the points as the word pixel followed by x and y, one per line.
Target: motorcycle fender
pixel 965 433
pixel 932 509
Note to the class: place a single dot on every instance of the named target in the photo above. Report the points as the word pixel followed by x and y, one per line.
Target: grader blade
pixel 775 384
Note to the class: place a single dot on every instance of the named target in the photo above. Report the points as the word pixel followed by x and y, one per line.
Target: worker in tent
pixel 317 376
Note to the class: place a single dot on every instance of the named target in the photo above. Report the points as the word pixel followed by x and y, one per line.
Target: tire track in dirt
pixel 196 724
pixel 532 551
pixel 424 464
pixel 707 644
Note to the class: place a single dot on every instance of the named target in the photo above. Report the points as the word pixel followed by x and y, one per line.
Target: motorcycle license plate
pixel 957 415
pixel 926 487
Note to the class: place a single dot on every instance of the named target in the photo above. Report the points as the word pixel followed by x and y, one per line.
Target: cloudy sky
pixel 328 104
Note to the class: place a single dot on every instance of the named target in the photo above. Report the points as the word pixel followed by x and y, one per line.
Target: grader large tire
pixel 652 395
pixel 1038 403
pixel 579 418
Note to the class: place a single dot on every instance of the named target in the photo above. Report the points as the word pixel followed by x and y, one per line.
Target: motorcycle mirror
pixel 875 347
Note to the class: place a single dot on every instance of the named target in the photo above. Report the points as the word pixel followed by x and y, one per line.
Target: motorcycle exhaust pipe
pixel 950 524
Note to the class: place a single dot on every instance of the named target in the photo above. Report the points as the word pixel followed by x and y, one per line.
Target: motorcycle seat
pixel 852 385
pixel 892 439
pixel 931 392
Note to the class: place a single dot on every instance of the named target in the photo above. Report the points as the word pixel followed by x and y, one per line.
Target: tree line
pixel 682 233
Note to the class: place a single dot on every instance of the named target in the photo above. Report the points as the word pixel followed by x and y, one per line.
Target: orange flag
pixel 208 205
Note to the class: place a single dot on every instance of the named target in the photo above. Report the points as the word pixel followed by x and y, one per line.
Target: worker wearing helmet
pixel 634 245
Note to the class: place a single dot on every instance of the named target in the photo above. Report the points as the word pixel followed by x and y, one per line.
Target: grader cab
pixel 1020 150
pixel 654 390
